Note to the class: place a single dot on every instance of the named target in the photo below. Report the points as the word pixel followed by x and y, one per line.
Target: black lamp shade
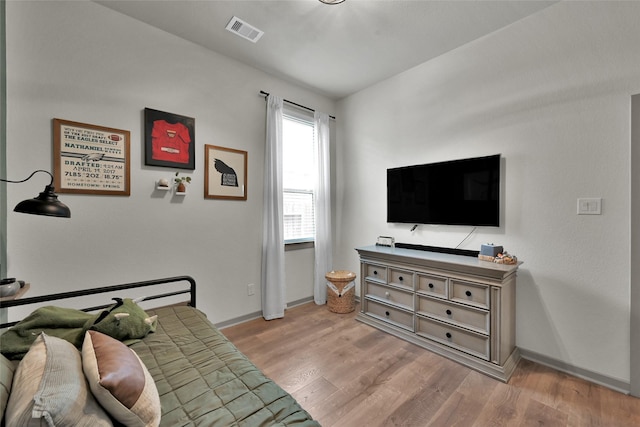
pixel 46 203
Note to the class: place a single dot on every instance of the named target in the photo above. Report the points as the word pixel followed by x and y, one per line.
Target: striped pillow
pixel 7 369
pixel 49 388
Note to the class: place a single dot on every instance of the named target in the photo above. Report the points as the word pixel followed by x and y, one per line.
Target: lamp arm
pixel 29 177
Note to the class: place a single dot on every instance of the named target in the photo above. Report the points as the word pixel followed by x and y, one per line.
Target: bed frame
pixel 202 378
pixel 105 289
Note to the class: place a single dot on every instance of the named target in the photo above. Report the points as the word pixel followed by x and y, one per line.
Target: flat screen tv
pixel 458 192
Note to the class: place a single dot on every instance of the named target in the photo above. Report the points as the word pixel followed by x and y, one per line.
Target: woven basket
pixel 341 304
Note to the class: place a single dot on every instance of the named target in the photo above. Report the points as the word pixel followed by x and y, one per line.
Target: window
pixel 298 177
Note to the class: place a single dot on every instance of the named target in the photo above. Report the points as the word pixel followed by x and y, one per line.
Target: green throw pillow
pixel 126 321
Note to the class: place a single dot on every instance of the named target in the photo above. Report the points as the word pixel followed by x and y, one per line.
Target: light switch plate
pixel 589 206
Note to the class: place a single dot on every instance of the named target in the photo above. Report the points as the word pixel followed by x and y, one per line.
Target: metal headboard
pixel 113 288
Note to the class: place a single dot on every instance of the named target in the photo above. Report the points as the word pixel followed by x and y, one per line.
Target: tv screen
pixel 458 192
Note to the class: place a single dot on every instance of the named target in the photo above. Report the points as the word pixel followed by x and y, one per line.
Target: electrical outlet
pixel 589 206
pixel 251 289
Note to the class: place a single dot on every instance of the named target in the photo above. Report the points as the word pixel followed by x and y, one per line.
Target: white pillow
pixel 49 387
pixel 120 381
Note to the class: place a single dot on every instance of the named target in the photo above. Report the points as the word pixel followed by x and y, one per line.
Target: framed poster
pixel 90 159
pixel 225 173
pixel 169 140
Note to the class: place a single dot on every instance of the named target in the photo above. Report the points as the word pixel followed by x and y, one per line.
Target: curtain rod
pixel 263 93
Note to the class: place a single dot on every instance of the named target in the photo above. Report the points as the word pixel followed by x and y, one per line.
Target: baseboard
pixel 238 320
pixel 257 314
pixel 299 302
pixel 594 377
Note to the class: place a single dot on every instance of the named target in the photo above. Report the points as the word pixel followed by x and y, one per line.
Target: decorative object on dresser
pixel 454 305
pixel 490 249
pixel 385 241
pixel 497 254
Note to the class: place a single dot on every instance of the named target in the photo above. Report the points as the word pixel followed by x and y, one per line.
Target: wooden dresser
pixel 457 306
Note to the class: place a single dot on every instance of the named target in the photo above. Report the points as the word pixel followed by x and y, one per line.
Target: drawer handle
pixel 375 272
pixel 387 294
pixel 448 335
pixel 448 312
pixel 468 293
pixel 430 285
pixel 386 313
pixel 400 278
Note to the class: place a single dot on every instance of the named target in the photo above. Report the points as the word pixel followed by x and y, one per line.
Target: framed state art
pixel 90 159
pixel 225 173
pixel 169 140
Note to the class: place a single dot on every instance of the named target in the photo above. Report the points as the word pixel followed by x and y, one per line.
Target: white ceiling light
pixel 331 1
pixel 244 30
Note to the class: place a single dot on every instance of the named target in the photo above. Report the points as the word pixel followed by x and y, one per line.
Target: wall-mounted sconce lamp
pixel 46 203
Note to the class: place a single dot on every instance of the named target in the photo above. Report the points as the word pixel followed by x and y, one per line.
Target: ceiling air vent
pixel 244 30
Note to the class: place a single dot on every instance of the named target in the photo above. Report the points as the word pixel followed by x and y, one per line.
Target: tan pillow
pixel 120 381
pixel 7 368
pixel 49 388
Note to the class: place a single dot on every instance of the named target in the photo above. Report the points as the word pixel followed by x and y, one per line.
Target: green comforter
pixel 204 380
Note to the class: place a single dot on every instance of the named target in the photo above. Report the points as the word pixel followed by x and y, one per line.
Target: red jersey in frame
pixel 170 142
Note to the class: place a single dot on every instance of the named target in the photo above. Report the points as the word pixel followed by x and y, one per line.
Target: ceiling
pixel 335 50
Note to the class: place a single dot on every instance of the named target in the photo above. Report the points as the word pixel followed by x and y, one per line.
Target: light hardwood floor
pixel 345 373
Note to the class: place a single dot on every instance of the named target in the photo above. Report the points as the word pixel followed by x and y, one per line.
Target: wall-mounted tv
pixel 458 192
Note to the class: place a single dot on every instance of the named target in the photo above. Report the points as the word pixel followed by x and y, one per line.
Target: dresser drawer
pixel 477 345
pixel 467 317
pixel 389 294
pixel 375 272
pixel 390 314
pixel 432 285
pixel 475 294
pixel 401 278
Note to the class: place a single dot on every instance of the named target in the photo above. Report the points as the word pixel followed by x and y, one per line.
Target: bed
pixel 194 375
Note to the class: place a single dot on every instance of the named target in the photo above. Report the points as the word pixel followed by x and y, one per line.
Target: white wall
pixel 551 93
pixel 82 62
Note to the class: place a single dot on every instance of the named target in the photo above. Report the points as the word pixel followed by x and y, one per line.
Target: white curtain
pixel 323 242
pixel 273 276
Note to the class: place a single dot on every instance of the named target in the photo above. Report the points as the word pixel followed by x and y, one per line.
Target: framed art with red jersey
pixel 169 140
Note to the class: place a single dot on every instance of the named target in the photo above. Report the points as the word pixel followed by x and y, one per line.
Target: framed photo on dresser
pixel 169 140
